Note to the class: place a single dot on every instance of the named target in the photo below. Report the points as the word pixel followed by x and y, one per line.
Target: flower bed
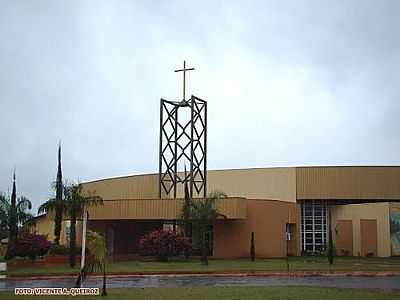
pixel 60 259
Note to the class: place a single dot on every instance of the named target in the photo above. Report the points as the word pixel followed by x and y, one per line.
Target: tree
pixel 252 247
pixel 187 210
pixel 13 213
pixel 75 203
pixel 331 248
pixel 96 244
pixel 12 222
pixel 204 213
pixel 24 217
pixel 187 215
pixel 59 207
pixel 56 204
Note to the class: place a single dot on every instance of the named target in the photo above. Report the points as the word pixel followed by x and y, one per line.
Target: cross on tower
pixel 183 138
pixel 184 77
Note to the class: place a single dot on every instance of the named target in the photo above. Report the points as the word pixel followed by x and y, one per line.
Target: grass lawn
pixel 221 293
pixel 220 265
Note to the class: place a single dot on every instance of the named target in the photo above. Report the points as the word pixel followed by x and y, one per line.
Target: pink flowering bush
pixel 164 244
pixel 31 245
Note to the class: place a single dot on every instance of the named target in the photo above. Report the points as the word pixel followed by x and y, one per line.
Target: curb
pixel 206 274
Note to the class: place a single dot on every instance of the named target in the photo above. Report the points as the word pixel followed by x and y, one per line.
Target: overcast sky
pixel 288 83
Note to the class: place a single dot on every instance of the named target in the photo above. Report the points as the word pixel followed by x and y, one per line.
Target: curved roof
pixel 285 184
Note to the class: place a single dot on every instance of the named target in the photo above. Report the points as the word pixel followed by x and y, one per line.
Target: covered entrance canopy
pixel 123 236
pixel 160 209
pixel 124 222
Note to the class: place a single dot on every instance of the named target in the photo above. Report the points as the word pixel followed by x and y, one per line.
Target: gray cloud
pixel 288 83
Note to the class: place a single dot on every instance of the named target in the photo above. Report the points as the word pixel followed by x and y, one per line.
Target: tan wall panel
pixel 270 183
pixel 129 187
pixel 267 219
pixel 266 183
pixel 160 209
pixel 344 237
pixel 368 230
pixel 356 212
pixel 348 183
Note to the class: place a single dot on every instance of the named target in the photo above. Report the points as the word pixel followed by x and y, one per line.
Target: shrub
pixel 31 245
pixel 3 250
pixel 58 250
pixel 63 250
pixel 164 244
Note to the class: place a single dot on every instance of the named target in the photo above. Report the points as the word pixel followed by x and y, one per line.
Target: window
pixel 313 226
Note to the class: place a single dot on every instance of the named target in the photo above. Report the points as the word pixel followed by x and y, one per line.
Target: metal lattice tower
pixel 183 141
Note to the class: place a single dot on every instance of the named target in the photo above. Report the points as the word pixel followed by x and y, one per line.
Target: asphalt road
pixel 382 283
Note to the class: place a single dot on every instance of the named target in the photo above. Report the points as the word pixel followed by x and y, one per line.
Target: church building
pixel 286 208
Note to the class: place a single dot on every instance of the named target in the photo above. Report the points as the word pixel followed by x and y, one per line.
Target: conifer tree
pixel 13 226
pixel 252 248
pixel 59 201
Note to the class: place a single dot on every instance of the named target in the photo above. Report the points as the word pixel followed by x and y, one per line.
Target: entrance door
pixel 369 238
pixel 291 239
pixel 344 238
pixel 110 241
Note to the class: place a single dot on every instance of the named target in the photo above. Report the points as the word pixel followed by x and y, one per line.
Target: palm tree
pixel 23 215
pixel 73 206
pixel 76 201
pixel 204 213
pixel 96 244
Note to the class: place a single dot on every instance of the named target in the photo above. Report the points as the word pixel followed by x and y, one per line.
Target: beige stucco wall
pixel 372 211
pixel 45 226
pixel 267 219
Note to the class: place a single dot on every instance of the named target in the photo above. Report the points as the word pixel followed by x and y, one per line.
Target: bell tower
pixel 183 142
